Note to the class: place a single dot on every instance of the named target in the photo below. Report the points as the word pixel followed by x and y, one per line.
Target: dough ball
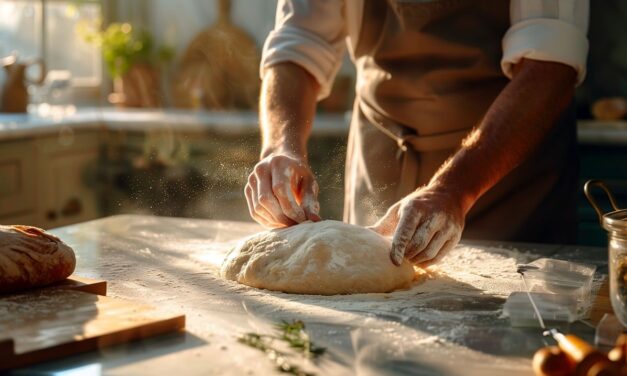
pixel 322 258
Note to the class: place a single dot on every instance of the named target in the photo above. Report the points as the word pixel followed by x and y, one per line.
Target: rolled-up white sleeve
pixel 310 33
pixel 547 30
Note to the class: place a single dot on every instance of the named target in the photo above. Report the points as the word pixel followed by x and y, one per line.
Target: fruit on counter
pixel 613 108
pixel 551 361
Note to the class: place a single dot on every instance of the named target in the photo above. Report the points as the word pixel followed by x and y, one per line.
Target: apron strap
pixel 404 136
pixel 410 145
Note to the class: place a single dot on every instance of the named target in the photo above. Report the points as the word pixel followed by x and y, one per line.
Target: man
pixel 460 105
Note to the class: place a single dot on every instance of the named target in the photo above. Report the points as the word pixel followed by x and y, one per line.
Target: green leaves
pixel 292 334
pixel 122 46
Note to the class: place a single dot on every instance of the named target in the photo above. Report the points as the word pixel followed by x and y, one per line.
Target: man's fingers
pixel 248 192
pixel 312 213
pixel 448 245
pixel 432 249
pixel 268 200
pixel 404 231
pixel 424 235
pixel 451 239
pixel 282 188
pixel 309 201
pixel 259 209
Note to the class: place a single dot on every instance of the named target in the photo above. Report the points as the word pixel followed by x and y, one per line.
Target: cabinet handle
pixel 72 207
pixel 51 215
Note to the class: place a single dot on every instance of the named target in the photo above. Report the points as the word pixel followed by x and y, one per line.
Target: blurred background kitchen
pixel 149 106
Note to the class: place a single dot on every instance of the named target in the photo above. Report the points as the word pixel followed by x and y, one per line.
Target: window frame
pixel 86 91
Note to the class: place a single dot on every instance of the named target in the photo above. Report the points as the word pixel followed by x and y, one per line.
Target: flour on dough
pixel 322 258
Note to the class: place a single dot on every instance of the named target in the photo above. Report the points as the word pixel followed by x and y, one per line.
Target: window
pixel 47 29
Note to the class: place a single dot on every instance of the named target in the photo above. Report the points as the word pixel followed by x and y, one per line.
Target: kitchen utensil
pixel 615 223
pixel 14 96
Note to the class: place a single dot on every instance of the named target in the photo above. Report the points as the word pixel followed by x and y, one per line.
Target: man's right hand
pixel 282 191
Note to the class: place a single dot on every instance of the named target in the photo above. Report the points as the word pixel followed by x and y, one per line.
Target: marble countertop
pixel 51 120
pixel 447 325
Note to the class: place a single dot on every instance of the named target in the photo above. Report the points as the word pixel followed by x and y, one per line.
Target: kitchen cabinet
pixel 17 178
pixel 170 163
pixel 19 219
pixel 63 165
pixel 43 179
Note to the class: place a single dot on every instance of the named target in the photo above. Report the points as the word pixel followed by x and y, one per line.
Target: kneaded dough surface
pixel 323 258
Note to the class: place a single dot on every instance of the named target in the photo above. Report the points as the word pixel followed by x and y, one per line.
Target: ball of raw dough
pixel 324 258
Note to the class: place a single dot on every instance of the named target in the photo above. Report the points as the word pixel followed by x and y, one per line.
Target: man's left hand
pixel 425 225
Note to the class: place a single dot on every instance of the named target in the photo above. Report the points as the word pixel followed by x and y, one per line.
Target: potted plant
pixel 132 60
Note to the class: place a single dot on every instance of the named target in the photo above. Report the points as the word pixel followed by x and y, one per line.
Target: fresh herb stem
pixel 293 333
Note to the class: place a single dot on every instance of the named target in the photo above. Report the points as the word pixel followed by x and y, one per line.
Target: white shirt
pixel 314 35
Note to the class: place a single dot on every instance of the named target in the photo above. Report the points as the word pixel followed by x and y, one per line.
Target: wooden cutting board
pixel 74 282
pixel 71 318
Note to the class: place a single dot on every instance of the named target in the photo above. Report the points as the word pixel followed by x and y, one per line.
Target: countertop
pixel 451 324
pixel 48 120
pixel 54 120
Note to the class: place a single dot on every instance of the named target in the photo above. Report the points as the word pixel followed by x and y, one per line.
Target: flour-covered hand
pixel 424 226
pixel 282 191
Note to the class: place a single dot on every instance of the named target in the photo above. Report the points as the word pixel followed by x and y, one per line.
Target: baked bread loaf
pixel 31 257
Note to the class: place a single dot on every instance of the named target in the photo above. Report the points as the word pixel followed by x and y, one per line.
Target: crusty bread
pixel 31 257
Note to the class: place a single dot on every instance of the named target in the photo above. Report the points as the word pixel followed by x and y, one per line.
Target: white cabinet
pixel 43 179
pixel 18 180
pixel 63 165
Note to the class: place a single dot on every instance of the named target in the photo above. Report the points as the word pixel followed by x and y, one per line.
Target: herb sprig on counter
pixel 294 335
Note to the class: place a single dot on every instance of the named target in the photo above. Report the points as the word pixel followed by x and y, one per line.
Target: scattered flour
pixel 450 315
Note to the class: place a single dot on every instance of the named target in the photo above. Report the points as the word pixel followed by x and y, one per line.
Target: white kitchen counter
pixel 448 325
pixel 602 132
pixel 31 124
pixel 24 125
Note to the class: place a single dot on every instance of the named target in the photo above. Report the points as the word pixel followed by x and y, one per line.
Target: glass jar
pixel 618 274
pixel 615 222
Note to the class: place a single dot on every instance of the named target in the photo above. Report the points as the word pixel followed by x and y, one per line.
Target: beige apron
pixel 427 72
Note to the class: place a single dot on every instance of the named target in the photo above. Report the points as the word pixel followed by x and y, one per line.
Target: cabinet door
pixel 28 219
pixel 17 177
pixel 65 196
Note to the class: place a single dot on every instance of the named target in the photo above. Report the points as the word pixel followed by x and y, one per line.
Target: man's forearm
pixel 287 109
pixel 518 120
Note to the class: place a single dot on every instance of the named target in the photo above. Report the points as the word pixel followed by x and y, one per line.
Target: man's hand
pixel 424 224
pixel 282 191
pixel 429 221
